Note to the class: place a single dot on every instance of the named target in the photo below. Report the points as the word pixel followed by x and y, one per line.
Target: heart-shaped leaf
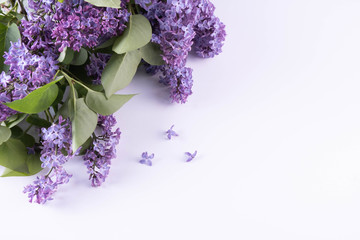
pixel 13 155
pixel 120 71
pixel 105 3
pixel 66 56
pixel 137 34
pixel 38 100
pixel 151 53
pixel 8 34
pixel 5 134
pixel 97 102
pixel 84 122
pixel 33 164
pixel 80 57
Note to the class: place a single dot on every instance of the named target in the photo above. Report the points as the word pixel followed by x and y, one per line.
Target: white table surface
pixel 276 122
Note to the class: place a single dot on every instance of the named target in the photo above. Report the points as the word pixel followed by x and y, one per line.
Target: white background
pixel 276 122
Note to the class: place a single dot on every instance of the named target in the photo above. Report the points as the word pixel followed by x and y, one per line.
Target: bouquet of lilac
pixel 62 62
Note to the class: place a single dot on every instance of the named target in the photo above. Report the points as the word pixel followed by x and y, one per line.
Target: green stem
pixel 23 11
pixel 47 175
pixel 49 114
pixel 78 82
pixel 28 129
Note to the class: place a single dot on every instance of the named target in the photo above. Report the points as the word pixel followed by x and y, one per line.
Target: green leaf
pixel 80 57
pixel 33 164
pixel 19 118
pixel 27 140
pixel 38 100
pixel 106 44
pixel 13 155
pixel 16 132
pixel 105 3
pixel 97 102
pixel 8 34
pixel 119 71
pixel 85 146
pixel 66 56
pixel 37 121
pixel 151 53
pixel 5 134
pixel 84 122
pixel 137 34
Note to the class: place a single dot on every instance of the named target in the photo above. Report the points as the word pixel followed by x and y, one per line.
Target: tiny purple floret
pixel 171 133
pixel 191 156
pixel 146 159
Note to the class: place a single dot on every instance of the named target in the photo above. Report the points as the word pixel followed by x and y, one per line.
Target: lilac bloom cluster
pixel 56 150
pixel 78 24
pixel 27 72
pixel 177 25
pixel 36 29
pixel 96 66
pixel 98 157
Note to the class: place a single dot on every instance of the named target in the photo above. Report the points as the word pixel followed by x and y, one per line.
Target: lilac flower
pixel 96 66
pixel 171 133
pixel 27 72
pixel 36 29
pixel 78 24
pixel 98 157
pixel 146 159
pixel 44 187
pixel 173 28
pixel 191 156
pixel 179 26
pixel 180 82
pixel 210 33
pixel 55 151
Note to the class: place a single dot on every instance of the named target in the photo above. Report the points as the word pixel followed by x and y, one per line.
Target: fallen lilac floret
pixel 146 159
pixel 191 156
pixel 170 133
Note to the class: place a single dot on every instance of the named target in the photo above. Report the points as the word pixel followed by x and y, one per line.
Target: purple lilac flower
pixel 55 151
pixel 27 72
pixel 191 156
pixel 179 26
pixel 96 66
pixel 146 159
pixel 210 32
pixel 44 187
pixel 171 132
pixel 173 28
pixel 55 141
pixel 180 81
pixel 36 29
pixel 98 157
pixel 79 24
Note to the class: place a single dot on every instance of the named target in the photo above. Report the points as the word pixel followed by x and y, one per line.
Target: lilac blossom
pixel 146 158
pixel 178 27
pixel 98 157
pixel 37 27
pixel 27 72
pixel 210 32
pixel 79 24
pixel 180 82
pixel 44 187
pixel 173 28
pixel 55 141
pixel 170 133
pixel 55 151
pixel 96 66
pixel 190 156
